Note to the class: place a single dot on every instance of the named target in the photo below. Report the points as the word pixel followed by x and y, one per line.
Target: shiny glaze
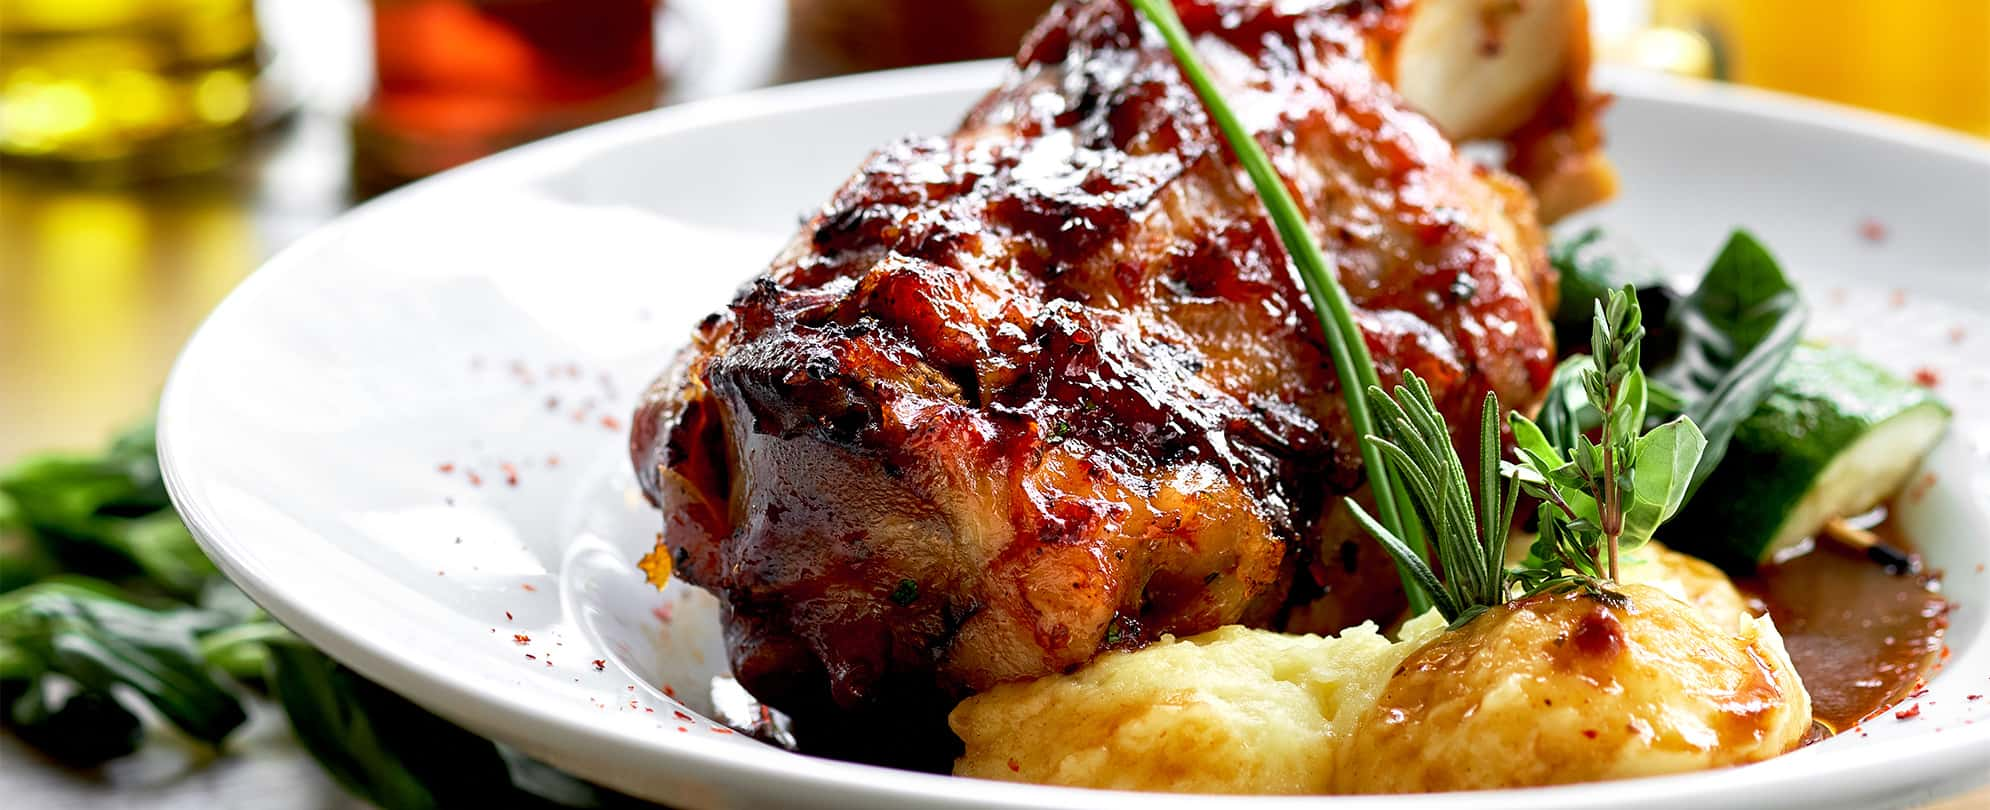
pixel 1048 385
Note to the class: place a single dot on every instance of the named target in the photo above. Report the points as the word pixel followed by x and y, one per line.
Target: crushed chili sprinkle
pixel 669 692
pixel 529 587
pixel 1015 766
pixel 1872 230
pixel 1926 377
pixel 682 716
pixel 507 615
pixel 531 657
pixel 600 664
pixel 475 479
pixel 520 638
pixel 611 423
pixel 1972 697
pixel 553 461
pixel 510 473
pixel 1908 713
pixel 445 468
pixel 1589 732
pixel 721 730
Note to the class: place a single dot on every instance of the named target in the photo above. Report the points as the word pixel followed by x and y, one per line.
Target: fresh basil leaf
pixel 81 728
pixel 1590 265
pixel 1659 479
pixel 1734 332
pixel 102 642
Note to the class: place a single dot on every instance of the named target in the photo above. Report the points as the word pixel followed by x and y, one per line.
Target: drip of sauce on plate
pixel 1861 638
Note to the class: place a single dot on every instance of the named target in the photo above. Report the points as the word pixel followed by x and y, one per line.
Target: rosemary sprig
pixel 1470 542
pixel 1345 343
pixel 1605 497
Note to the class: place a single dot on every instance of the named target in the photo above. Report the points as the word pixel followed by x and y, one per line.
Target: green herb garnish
pixel 1345 343
pixel 1470 543
pixel 1605 497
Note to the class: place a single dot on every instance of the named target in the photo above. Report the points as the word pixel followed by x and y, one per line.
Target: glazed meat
pixel 1048 385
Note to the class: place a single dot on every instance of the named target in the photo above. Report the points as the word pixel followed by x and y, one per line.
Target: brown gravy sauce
pixel 1861 638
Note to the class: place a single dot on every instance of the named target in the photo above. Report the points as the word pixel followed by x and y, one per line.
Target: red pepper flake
pixel 553 461
pixel 520 638
pixel 1014 766
pixel 1589 732
pixel 1920 488
pixel 1908 713
pixel 445 468
pixel 510 473
pixel 681 728
pixel 507 615
pixel 600 664
pixel 1917 693
pixel 1926 377
pixel 529 587
pixel 1979 568
pixel 669 692
pixel 1972 697
pixel 649 710
pixel 1872 230
pixel 1898 298
pixel 549 663
pixel 531 657
pixel 611 423
pixel 721 730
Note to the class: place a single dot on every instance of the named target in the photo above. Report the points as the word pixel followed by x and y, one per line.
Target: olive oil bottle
pixel 114 90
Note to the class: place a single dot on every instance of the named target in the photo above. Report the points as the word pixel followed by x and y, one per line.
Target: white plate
pixel 508 312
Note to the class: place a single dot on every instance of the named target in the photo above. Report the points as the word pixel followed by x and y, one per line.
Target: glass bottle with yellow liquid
pixel 1926 59
pixel 122 89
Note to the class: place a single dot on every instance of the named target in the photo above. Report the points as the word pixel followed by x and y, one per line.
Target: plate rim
pixel 511 715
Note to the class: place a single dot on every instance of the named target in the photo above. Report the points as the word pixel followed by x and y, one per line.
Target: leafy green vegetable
pixel 393 753
pixel 85 508
pixel 22 558
pixel 101 641
pixel 78 727
pixel 1345 342
pixel 1590 265
pixel 1735 331
pixel 1470 543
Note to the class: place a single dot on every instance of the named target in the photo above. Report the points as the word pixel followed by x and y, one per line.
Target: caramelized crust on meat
pixel 1048 385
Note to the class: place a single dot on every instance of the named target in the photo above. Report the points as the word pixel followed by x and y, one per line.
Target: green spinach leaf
pixel 1734 331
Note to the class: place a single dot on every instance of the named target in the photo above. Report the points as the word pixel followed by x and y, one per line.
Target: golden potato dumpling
pixel 1570 687
pixel 1686 578
pixel 1232 710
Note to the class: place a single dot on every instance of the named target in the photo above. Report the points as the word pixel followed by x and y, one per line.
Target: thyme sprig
pixel 1345 343
pixel 1470 541
pixel 1603 498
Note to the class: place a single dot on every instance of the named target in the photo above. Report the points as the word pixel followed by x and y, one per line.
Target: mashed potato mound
pixel 1233 710
pixel 1568 687
pixel 1686 578
pixel 1554 688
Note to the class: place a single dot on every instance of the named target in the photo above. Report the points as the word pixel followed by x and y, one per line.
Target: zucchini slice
pixel 1836 437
